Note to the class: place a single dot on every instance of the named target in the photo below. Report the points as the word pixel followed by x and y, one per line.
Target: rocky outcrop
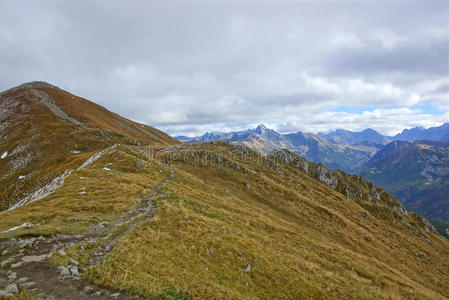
pixel 353 186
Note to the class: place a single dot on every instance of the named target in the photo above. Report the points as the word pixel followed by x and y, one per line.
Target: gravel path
pixel 26 259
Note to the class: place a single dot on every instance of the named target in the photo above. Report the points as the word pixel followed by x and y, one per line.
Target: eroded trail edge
pixel 27 262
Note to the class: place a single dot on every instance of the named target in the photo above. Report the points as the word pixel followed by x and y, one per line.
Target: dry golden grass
pixel 107 195
pixel 300 245
pixel 47 140
pixel 301 239
pixel 99 117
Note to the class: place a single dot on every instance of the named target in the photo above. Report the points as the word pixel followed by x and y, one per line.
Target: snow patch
pixel 81 177
pixel 44 191
pixel 95 157
pixel 106 169
pixel 4 154
pixel 21 177
pixel 75 151
pixel 17 227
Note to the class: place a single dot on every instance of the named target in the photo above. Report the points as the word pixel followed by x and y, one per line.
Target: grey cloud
pixel 194 65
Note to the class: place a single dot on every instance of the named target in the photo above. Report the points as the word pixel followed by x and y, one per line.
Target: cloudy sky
pixel 188 67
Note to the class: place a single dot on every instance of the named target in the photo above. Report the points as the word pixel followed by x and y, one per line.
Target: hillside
pixel 46 131
pixel 417 173
pixel 210 221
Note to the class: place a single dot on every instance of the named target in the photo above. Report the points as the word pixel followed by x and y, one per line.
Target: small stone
pixel 23 280
pixel 64 271
pixel 115 295
pixel 29 284
pixel 444 271
pixel 13 275
pixel 74 270
pixel 140 164
pixel 368 238
pixel 34 258
pixel 76 263
pixel 4 263
pixel 365 215
pixel 17 264
pixel 12 289
pixel 88 289
pixel 248 186
pixel 248 268
pixel 97 293
pixel 62 252
pixel 5 252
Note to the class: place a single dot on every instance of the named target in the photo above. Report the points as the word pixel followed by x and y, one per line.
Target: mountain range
pixel 415 172
pixel 309 145
pixel 339 149
pixel 95 206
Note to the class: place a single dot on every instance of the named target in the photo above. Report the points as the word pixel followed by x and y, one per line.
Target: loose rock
pixel 74 270
pixel 34 258
pixel 29 284
pixel 64 271
pixel 12 289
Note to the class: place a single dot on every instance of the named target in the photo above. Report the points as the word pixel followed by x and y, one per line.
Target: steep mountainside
pixel 45 132
pixel 440 133
pixel 315 148
pixel 208 221
pixel 417 173
pixel 346 137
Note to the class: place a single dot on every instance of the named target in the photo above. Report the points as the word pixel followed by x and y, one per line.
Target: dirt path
pixel 27 264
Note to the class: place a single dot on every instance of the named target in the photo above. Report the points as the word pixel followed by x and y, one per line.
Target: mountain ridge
pixel 205 220
pixel 416 173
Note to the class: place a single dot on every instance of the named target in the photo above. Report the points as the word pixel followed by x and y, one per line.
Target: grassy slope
pixel 96 116
pixel 40 144
pixel 108 194
pixel 301 242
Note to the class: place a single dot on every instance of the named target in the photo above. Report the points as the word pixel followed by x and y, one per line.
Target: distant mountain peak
pixel 439 133
pixel 261 128
pixel 369 130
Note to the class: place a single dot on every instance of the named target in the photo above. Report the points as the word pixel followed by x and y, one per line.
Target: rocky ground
pixel 25 261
